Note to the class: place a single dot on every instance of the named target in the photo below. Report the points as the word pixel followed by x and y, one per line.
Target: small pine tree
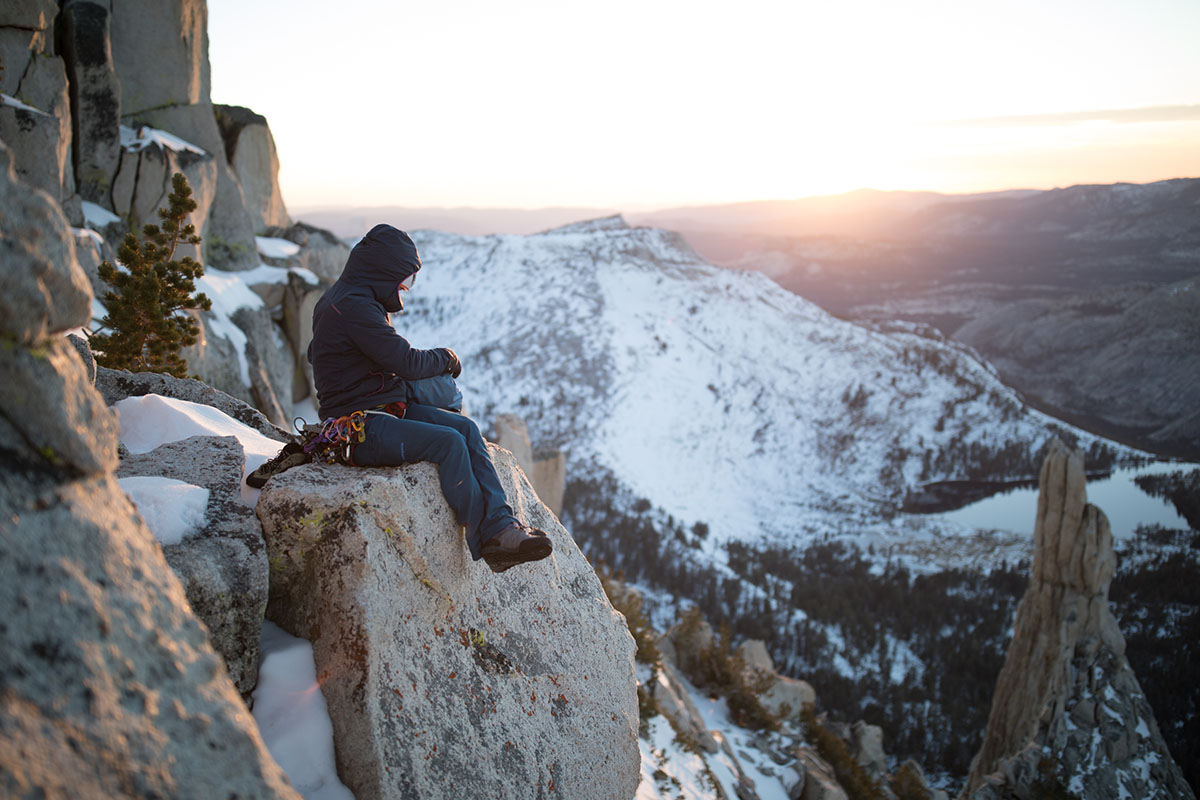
pixel 144 319
pixel 629 603
pixel 851 776
pixel 907 783
pixel 724 671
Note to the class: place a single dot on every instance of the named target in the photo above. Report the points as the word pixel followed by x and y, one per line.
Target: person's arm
pixel 379 342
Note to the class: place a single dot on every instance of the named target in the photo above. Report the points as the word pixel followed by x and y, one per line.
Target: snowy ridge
pixel 716 394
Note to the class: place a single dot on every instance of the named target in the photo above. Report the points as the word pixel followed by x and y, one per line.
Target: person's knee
pixel 467 428
pixel 463 425
pixel 451 446
pixel 472 434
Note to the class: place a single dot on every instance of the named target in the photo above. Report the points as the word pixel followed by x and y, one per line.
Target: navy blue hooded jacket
pixel 358 359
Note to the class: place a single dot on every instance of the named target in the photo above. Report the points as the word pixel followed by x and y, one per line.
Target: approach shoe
pixel 514 545
pixel 292 455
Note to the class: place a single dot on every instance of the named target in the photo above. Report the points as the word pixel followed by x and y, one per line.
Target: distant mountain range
pixel 732 444
pixel 864 212
pixel 715 394
pixel 1085 298
pixel 351 223
pixel 1080 295
pixel 857 213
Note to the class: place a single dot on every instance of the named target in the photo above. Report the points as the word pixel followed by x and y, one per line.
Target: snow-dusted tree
pixel 146 324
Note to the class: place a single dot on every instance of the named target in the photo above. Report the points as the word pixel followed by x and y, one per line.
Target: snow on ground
pixel 228 292
pixel 152 420
pixel 264 273
pixel 756 765
pixel 668 769
pixel 293 718
pixel 172 509
pixel 276 248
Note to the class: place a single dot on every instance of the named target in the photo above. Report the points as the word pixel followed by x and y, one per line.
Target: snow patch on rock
pixel 229 292
pixel 151 420
pixel 293 718
pixel 172 509
pixel 270 247
pixel 135 140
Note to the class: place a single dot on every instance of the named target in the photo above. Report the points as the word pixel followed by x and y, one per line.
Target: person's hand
pixel 455 368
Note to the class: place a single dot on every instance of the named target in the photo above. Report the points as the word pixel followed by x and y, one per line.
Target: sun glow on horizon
pixel 639 105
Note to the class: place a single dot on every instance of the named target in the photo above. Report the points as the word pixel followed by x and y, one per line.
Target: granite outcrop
pixel 1068 712
pixel 102 104
pixel 109 686
pixel 223 566
pixel 442 678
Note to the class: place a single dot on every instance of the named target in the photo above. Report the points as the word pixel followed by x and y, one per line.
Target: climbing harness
pixel 333 440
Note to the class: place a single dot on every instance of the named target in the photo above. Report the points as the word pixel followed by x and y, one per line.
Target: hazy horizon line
pixel 641 209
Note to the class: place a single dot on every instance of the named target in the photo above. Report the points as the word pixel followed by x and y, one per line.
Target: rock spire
pixel 1068 711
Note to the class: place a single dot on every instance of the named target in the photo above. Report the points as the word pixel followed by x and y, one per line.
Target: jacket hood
pixel 380 261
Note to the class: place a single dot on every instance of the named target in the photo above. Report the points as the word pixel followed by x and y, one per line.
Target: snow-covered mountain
pixel 715 394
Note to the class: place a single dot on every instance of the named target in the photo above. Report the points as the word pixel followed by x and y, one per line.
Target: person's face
pixel 402 287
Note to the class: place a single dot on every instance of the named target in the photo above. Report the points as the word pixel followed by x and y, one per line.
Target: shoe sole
pixel 258 479
pixel 531 550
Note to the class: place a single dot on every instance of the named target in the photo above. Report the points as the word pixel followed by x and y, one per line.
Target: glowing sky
pixel 647 103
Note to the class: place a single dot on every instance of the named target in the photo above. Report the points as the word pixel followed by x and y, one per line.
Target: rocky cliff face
pixel 442 678
pixel 41 130
pixel 102 103
pixel 108 684
pixel 134 64
pixel 1068 709
pixel 250 149
pixel 223 567
pixel 174 96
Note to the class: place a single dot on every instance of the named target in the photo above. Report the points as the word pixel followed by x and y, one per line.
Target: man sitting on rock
pixel 360 364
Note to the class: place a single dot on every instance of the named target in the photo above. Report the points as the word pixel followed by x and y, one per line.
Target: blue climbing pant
pixel 453 442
